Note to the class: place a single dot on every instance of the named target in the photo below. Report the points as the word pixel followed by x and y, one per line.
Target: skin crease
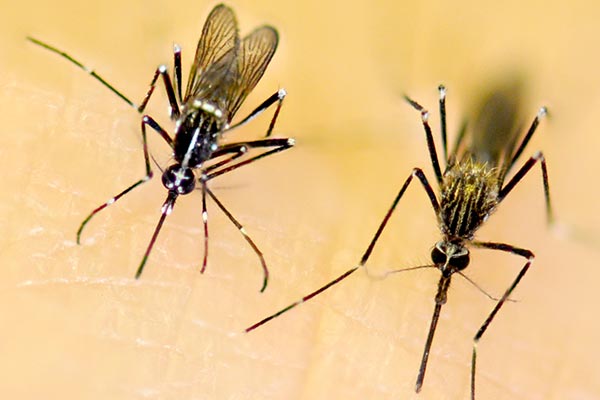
pixel 75 324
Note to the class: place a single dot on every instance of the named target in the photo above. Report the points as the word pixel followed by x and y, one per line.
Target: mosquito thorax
pixel 450 257
pixel 178 179
pixel 196 133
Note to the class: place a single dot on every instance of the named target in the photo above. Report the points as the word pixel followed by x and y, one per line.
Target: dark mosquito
pixel 225 70
pixel 470 189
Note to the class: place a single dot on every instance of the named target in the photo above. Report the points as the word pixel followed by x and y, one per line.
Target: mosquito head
pixel 178 179
pixel 450 257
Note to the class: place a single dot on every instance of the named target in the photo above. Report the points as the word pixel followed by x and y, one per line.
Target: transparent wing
pixel 496 124
pixel 256 51
pixel 216 49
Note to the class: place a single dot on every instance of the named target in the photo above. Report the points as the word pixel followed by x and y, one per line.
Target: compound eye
pixel 438 256
pixel 461 261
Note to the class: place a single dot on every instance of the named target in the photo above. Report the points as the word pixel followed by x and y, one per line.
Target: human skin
pixel 76 324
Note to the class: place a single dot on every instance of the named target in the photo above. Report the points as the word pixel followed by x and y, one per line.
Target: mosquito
pixel 225 70
pixel 470 189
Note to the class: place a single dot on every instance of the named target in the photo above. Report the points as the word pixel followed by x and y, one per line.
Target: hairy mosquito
pixel 225 70
pixel 470 189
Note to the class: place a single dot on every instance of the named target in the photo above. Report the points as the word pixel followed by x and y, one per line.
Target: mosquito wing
pixel 496 126
pixel 217 48
pixel 255 53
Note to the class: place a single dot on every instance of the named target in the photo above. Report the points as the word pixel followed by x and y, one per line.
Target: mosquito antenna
pixel 395 271
pixel 157 164
pixel 482 290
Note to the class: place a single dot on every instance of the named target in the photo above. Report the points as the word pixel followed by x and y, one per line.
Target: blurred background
pixel 76 325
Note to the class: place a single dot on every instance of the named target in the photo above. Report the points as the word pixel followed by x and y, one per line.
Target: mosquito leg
pixel 245 234
pixel 173 105
pixel 280 96
pixel 165 211
pixel 416 172
pixel 162 71
pixel 304 299
pixel 428 135
pixel 238 150
pixel 536 121
pixel 275 97
pixel 277 144
pixel 521 173
pixel 529 256
pixel 205 224
pixel 146 120
pixel 443 126
pixel 177 70
pixel 421 176
pixel 77 63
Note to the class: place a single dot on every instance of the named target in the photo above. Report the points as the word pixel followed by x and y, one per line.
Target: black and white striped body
pixel 197 132
pixel 225 70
